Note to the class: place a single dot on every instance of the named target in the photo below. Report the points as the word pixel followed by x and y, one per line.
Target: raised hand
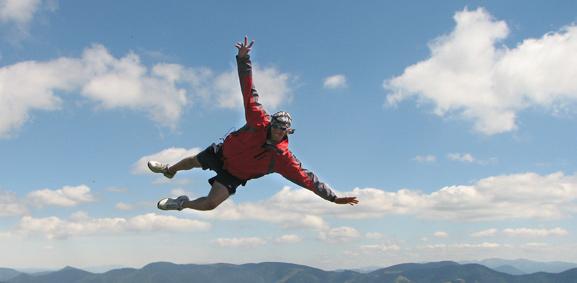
pixel 244 47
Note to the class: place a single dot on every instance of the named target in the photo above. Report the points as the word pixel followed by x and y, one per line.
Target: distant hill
pixel 164 272
pixel 67 274
pixel 508 269
pixel 526 266
pixel 7 273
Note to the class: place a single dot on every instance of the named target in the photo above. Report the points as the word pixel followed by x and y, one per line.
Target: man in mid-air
pixel 259 148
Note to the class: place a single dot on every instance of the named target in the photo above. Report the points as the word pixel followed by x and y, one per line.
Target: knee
pixel 194 161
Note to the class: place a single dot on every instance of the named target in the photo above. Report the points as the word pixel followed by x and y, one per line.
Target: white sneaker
pixel 171 203
pixel 158 167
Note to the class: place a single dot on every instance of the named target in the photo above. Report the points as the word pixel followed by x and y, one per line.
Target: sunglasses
pixel 279 127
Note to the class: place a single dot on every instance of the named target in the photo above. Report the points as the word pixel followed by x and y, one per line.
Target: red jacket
pixel 246 153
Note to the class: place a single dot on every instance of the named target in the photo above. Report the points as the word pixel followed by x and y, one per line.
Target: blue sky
pixel 451 122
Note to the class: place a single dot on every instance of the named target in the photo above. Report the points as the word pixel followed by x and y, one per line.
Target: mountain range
pixel 524 266
pixel 434 272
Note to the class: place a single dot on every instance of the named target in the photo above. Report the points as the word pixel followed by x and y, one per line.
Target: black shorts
pixel 211 158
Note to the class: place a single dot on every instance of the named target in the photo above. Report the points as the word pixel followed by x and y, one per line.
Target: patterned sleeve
pixel 292 170
pixel 254 112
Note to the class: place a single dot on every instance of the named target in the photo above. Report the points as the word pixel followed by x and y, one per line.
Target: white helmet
pixel 282 120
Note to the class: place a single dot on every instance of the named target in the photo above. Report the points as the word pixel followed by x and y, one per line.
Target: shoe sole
pixel 153 169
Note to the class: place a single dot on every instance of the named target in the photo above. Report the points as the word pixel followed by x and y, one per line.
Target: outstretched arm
pixel 292 169
pixel 253 110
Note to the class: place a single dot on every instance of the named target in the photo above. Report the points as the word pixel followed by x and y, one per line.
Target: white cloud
pixel 161 91
pixel 469 158
pixel 277 210
pixel 522 232
pixel 81 224
pixel 126 83
pixel 528 232
pixel 169 155
pixel 18 11
pixel 155 222
pixel 516 196
pixel 272 86
pixel 441 234
pixel 425 158
pixel 10 205
pixel 374 235
pixel 339 234
pixel 16 15
pixel 288 239
pixel 108 81
pixel 462 157
pixel 537 245
pixel 336 81
pixel 240 242
pixel 485 233
pixel 380 248
pixel 484 245
pixel 67 196
pixel 471 75
pixel 527 195
pixel 123 206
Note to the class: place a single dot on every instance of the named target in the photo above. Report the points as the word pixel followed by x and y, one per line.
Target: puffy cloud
pixel 441 234
pixel 374 235
pixel 469 158
pixel 275 210
pixel 240 242
pixel 484 245
pixel 18 14
pixel 517 196
pixel 339 234
pixel 162 90
pixel 288 239
pixel 10 205
pixel 522 232
pixel 336 81
pixel 425 158
pixel 462 157
pixel 126 83
pixel 81 224
pixel 123 206
pixel 169 155
pixel 111 82
pixel 155 222
pixel 471 75
pixel 67 196
pixel 273 87
pixel 380 248
pixel 527 195
pixel 18 11
pixel 536 245
pixel 485 233
pixel 528 232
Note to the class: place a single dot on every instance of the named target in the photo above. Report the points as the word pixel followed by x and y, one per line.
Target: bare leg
pixel 218 193
pixel 185 164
